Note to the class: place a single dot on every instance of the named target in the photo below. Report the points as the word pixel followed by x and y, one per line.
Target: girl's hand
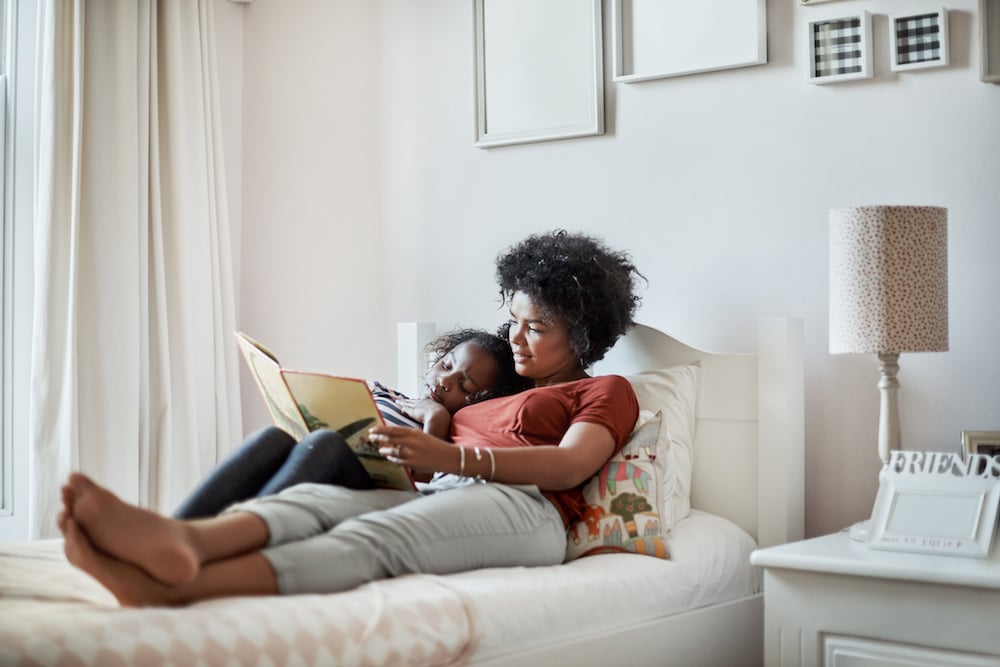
pixel 434 416
pixel 418 450
pixel 421 409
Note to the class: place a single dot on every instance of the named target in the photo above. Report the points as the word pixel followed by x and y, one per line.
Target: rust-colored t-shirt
pixel 541 416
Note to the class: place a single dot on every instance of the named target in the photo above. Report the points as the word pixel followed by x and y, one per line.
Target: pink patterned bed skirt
pixel 53 614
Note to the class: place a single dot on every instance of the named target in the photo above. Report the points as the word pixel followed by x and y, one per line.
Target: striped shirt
pixel 385 401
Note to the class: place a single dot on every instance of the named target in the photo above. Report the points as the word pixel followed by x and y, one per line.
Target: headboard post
pixel 781 430
pixel 412 339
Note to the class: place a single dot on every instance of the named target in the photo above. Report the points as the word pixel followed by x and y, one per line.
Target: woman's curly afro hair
pixel 577 280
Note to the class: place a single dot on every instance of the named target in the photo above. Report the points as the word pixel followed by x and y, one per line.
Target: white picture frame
pixel 980 442
pixel 840 48
pixel 919 40
pixel 989 41
pixel 935 514
pixel 656 39
pixel 539 70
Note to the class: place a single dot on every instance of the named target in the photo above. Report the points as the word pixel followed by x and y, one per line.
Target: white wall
pixel 311 270
pixel 365 202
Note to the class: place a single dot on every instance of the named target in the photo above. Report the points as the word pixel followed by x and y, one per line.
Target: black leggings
pixel 270 460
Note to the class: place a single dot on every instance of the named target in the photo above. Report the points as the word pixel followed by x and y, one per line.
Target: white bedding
pixel 518 609
pixel 53 614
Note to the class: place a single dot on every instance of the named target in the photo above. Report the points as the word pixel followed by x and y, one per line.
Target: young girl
pixel 570 298
pixel 470 365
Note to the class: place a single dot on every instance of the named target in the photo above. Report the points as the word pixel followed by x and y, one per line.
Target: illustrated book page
pixel 303 401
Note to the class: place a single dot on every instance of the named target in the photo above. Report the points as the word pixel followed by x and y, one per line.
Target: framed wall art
pixel 840 49
pixel 919 40
pixel 980 442
pixel 655 39
pixel 539 70
pixel 989 40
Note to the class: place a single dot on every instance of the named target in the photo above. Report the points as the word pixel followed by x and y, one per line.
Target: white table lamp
pixel 888 292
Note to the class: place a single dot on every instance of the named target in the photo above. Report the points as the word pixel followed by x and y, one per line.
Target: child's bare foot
pixel 130 585
pixel 158 545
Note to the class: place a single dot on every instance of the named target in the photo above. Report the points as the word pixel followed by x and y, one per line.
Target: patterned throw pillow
pixel 623 508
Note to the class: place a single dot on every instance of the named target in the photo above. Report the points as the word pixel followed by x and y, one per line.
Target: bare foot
pixel 158 545
pixel 130 585
pixel 67 510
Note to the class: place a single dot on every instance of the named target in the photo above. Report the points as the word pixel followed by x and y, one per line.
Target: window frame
pixel 17 264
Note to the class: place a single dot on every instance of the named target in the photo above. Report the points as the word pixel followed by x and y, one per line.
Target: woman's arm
pixel 579 455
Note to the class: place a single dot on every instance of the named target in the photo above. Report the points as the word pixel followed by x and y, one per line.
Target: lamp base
pixel 859 531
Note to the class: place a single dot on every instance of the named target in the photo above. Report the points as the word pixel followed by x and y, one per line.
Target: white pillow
pixel 672 391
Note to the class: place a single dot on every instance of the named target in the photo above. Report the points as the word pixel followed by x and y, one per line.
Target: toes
pixel 67 498
pixel 73 546
pixel 79 483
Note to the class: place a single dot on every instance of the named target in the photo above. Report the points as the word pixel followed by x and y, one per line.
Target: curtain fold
pixel 134 367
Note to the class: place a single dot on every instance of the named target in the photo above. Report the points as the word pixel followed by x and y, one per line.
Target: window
pixel 6 467
pixel 18 20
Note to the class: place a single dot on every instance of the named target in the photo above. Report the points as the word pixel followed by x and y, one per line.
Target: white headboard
pixel 749 437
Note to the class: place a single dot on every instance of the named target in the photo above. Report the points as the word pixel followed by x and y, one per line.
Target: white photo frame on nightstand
pixel 936 514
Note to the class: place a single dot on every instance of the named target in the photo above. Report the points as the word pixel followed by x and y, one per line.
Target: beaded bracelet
pixel 461 461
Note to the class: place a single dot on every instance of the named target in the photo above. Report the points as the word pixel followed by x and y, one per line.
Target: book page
pixel 267 373
pixel 346 405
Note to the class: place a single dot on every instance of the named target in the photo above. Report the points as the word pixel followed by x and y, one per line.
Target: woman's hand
pixel 416 449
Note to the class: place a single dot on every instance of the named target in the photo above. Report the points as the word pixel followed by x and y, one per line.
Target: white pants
pixel 327 538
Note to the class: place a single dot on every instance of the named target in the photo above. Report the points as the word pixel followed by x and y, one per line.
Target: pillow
pixel 673 392
pixel 622 512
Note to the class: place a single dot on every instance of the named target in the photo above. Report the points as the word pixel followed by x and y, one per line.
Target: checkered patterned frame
pixel 840 49
pixel 919 40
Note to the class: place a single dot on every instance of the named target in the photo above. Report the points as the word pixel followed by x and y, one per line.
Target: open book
pixel 302 401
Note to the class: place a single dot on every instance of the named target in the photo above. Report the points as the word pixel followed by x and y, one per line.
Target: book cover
pixel 303 401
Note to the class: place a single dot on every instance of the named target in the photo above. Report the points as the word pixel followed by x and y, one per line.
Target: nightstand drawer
pixel 839 651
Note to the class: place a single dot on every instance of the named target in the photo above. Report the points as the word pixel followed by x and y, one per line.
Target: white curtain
pixel 134 366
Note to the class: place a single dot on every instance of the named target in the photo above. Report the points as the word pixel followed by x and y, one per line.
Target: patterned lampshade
pixel 888 279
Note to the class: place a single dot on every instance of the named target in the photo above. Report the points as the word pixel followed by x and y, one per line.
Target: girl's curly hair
pixel 507 381
pixel 577 280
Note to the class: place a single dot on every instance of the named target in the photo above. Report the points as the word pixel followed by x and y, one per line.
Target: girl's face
pixel 542 351
pixel 465 370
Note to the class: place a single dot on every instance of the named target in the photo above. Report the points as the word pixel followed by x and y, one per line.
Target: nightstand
pixel 833 601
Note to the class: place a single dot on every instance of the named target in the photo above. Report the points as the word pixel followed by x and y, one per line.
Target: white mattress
pixel 710 563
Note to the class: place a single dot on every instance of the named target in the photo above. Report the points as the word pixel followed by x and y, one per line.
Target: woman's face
pixel 542 351
pixel 463 371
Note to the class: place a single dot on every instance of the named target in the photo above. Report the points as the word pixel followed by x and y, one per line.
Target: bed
pixel 700 606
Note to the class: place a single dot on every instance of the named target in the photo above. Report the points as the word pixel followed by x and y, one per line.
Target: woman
pixel 570 298
pixel 470 365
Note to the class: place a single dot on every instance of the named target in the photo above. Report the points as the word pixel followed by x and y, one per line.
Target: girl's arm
pixel 434 416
